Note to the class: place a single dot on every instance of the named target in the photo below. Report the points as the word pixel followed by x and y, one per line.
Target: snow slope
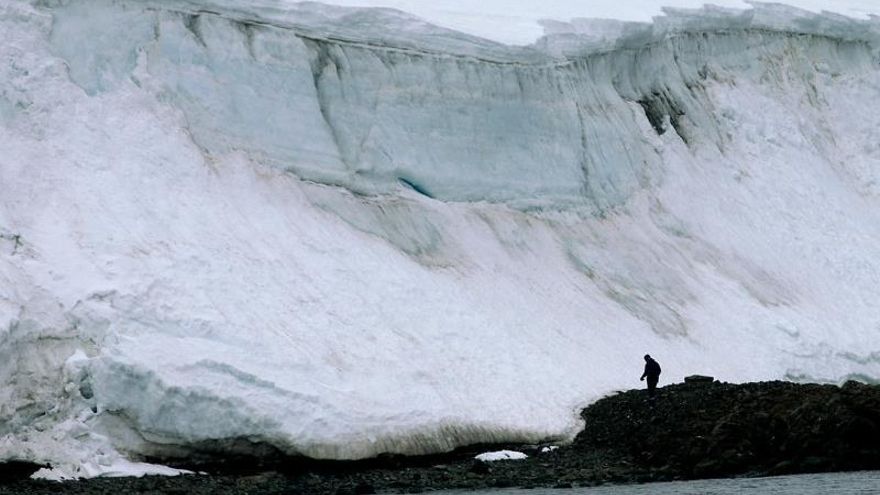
pixel 340 232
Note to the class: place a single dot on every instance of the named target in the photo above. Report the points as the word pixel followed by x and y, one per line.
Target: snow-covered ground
pixel 341 232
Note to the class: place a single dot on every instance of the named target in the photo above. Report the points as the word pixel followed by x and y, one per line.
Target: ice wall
pixel 341 232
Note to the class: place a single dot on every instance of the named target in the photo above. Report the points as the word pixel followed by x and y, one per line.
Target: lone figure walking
pixel 652 372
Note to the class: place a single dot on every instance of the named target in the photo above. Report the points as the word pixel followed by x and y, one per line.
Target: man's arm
pixel 645 373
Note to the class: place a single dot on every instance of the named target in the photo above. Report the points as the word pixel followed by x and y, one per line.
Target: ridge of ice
pixel 392 28
pixel 582 36
pixel 373 26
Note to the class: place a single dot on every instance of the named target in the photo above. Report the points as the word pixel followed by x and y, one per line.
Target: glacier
pixel 338 232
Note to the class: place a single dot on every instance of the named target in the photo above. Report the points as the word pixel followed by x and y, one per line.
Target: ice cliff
pixel 341 232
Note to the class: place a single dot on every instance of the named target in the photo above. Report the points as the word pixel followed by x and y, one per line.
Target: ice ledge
pixel 582 36
pixel 391 28
pixel 394 29
pixel 375 27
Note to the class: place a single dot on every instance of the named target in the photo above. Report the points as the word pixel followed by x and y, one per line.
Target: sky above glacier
pixel 515 21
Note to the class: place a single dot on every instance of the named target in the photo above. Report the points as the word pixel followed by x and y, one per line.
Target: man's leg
pixel 652 385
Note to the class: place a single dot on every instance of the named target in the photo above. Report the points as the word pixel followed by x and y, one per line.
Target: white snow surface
pixel 340 232
pixel 501 455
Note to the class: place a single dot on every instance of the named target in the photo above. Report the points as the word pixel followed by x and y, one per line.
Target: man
pixel 652 372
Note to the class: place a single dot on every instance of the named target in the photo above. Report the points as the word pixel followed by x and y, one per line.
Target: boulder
pixel 698 379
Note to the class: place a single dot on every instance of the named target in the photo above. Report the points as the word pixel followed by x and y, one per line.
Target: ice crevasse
pixel 335 232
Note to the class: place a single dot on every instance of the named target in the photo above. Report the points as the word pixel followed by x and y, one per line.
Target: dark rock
pixel 699 379
pixel 18 470
pixel 784 467
pixel 501 483
pixel 528 449
pixel 480 467
pixel 726 430
pixel 814 464
pixel 364 488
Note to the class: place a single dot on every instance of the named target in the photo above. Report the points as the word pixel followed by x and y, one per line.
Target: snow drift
pixel 341 232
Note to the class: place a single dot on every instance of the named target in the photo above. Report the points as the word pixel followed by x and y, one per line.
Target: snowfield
pixel 339 232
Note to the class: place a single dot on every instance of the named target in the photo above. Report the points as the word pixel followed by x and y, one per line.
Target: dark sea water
pixel 861 483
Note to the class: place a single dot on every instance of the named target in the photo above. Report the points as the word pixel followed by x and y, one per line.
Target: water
pixel 857 483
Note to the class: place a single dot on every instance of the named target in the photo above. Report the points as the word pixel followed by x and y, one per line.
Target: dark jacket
pixel 652 369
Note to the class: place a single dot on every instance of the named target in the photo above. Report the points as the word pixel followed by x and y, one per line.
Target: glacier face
pixel 341 232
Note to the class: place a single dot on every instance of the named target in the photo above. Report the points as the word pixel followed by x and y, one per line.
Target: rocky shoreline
pixel 691 430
